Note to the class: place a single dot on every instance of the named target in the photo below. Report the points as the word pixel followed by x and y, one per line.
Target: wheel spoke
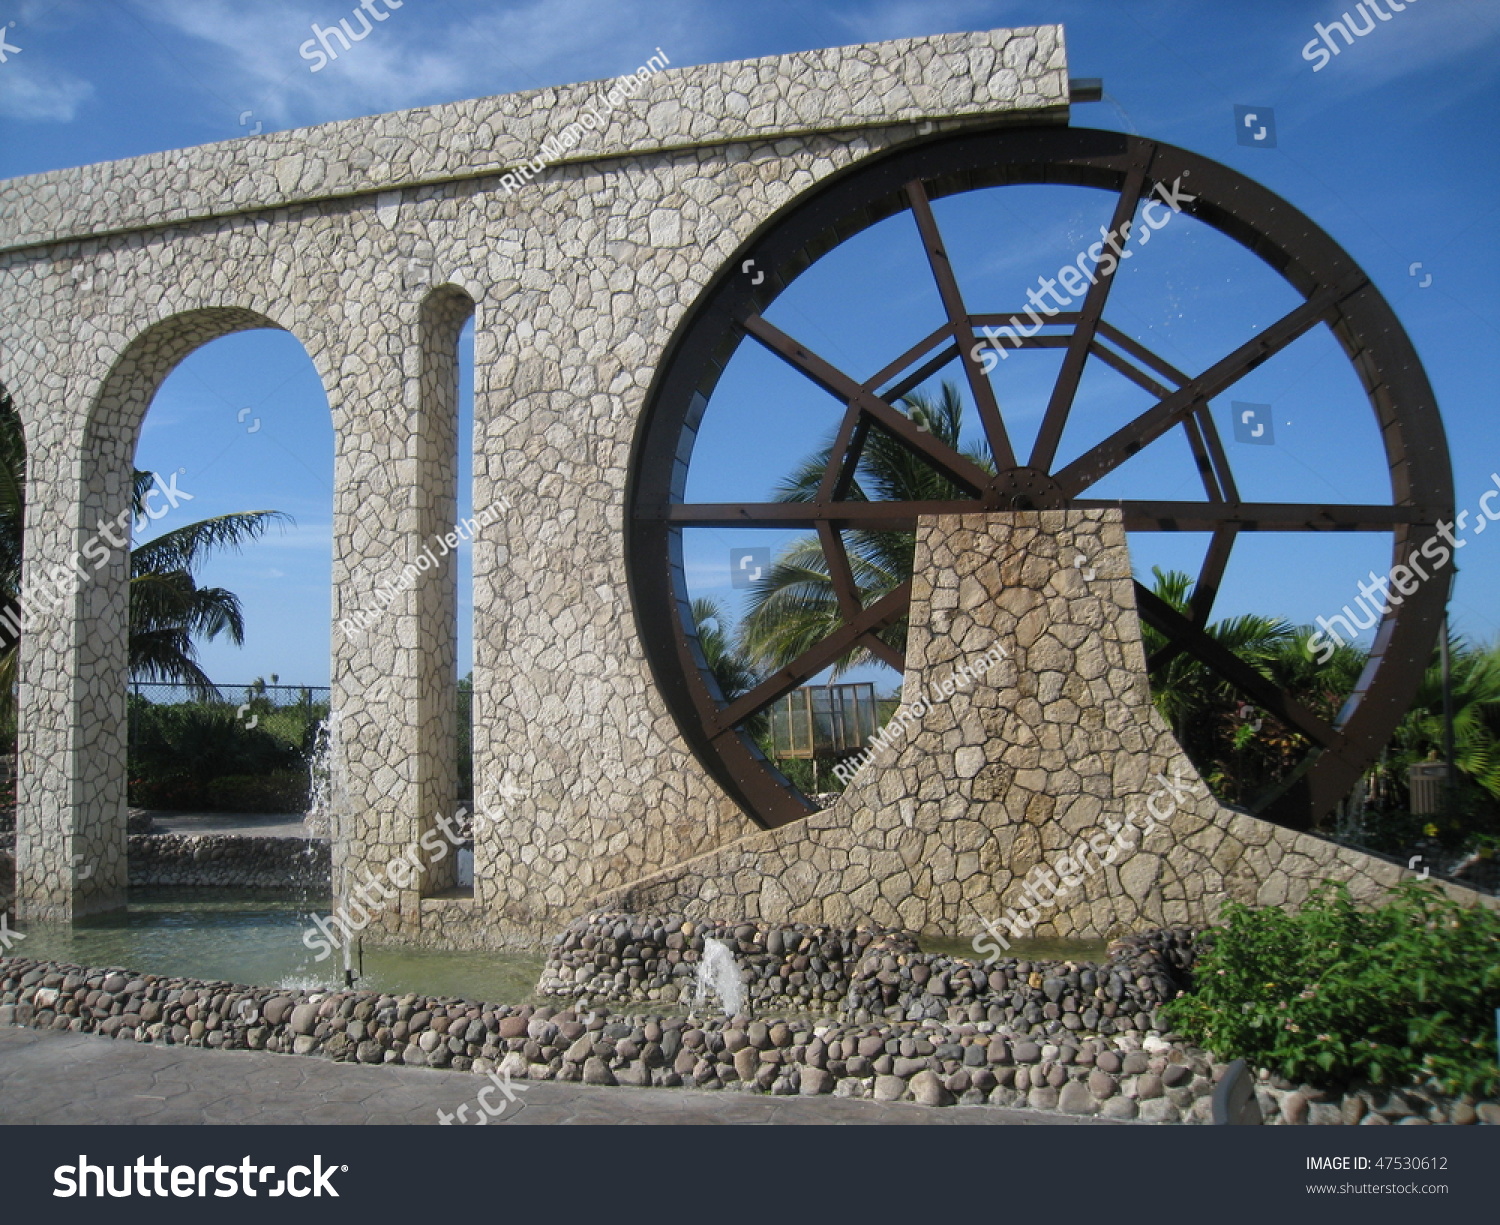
pixel 1265 693
pixel 839 572
pixel 1152 516
pixel 1157 420
pixel 960 325
pixel 917 351
pixel 875 516
pixel 959 469
pixel 890 608
pixel 884 651
pixel 1201 603
pixel 1065 390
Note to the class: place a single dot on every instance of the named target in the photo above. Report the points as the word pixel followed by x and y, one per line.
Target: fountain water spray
pixel 327 810
pixel 718 974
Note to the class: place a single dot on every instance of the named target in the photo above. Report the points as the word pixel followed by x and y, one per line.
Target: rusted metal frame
pixel 949 462
pixel 961 326
pixel 1201 603
pixel 890 608
pixel 918 350
pixel 1065 390
pixel 1229 666
pixel 839 572
pixel 1158 419
pixel 873 516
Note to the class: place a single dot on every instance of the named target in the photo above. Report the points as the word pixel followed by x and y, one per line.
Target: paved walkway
pixel 48 1077
pixel 259 824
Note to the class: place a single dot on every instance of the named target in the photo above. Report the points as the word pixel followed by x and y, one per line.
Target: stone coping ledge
pixel 946 76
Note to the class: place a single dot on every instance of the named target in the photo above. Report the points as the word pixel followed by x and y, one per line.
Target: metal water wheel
pixel 730 312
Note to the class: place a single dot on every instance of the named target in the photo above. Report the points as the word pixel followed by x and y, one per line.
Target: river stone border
pixel 870 973
pixel 1129 1076
pixel 229 861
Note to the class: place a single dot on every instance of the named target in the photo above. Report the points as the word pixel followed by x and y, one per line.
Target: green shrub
pixel 1404 993
pixel 178 752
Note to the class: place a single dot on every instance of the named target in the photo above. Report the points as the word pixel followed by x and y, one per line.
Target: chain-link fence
pixel 241 748
pixel 287 712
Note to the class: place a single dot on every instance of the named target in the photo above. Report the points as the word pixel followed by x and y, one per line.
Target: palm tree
pixel 1476 717
pixel 735 674
pixel 794 606
pixel 168 610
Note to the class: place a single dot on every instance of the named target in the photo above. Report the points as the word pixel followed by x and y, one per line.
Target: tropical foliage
pixel 1402 993
pixel 169 611
pixel 794 606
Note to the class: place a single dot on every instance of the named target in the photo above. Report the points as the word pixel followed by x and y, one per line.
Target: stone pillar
pixel 1027 785
pixel 70 831
pixel 395 637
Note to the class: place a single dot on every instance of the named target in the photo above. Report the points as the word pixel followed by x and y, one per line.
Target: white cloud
pixel 1419 39
pixel 917 18
pixel 33 90
pixel 412 58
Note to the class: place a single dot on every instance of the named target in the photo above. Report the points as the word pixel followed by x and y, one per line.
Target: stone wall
pixel 867 974
pixel 1003 777
pixel 370 240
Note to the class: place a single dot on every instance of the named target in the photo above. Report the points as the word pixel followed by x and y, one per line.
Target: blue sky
pixel 1390 147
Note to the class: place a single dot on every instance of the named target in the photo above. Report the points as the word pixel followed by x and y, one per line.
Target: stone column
pixel 395 634
pixel 70 831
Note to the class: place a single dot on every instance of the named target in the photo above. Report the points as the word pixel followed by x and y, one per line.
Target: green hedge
pixel 1404 993
pixel 194 755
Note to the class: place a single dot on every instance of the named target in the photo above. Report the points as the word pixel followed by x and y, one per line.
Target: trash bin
pixel 1427 780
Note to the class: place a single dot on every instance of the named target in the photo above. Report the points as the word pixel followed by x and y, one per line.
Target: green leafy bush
pixel 178 752
pixel 1401 994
